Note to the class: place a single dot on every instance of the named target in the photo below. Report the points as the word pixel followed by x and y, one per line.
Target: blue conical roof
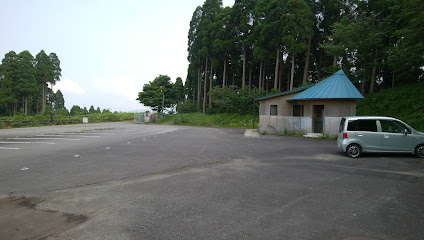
pixel 337 86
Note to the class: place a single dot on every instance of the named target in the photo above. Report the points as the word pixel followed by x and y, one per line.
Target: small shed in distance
pixel 313 109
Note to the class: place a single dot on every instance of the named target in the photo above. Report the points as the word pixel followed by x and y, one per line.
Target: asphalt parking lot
pixel 131 181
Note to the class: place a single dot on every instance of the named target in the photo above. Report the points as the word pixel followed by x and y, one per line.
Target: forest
pixel 278 45
pixel 26 84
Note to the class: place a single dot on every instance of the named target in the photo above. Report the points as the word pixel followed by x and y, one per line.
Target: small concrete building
pixel 313 109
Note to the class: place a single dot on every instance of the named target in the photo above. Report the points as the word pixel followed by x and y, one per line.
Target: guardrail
pixel 45 122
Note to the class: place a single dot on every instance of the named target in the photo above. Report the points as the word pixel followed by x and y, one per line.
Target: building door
pixel 318 118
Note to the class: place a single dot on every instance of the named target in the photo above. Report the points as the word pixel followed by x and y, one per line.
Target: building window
pixel 273 110
pixel 298 110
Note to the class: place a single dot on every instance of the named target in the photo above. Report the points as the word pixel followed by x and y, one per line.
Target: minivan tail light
pixel 344 135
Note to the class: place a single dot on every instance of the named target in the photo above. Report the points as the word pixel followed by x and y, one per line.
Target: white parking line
pixel 65 136
pixel 9 148
pixel 83 133
pixel 27 142
pixel 66 139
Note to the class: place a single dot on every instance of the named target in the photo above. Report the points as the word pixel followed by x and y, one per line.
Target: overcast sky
pixel 108 49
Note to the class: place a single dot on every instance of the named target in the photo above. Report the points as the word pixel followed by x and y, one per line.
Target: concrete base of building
pixel 313 135
pixel 252 133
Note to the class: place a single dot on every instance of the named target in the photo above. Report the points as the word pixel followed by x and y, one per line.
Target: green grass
pixel 36 120
pixel 186 166
pixel 225 120
pixel 403 102
pixel 117 116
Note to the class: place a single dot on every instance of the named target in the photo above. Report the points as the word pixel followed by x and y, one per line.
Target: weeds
pixel 186 166
pixel 225 120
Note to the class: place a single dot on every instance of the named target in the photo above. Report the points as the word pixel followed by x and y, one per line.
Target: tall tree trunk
pixel 15 108
pixel 374 72
pixel 264 76
pixel 234 75
pixel 204 89
pixel 337 21
pixel 267 84
pixel 51 106
pixel 26 105
pixel 210 85
pixel 38 101
pixel 250 77
pixel 280 76
pixel 393 78
pixel 224 75
pixel 306 70
pixel 43 102
pixel 199 86
pixel 364 75
pixel 260 75
pixel 292 73
pixel 320 63
pixel 277 63
pixel 243 81
pixel 288 72
pixel 45 97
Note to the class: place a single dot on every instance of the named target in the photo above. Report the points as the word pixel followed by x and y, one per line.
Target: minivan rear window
pixel 365 125
pixel 351 126
pixel 342 123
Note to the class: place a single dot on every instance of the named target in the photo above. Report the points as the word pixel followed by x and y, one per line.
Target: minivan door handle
pixel 359 134
pixel 386 136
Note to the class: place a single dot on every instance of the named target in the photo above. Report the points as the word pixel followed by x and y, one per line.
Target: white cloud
pixel 66 85
pixel 125 86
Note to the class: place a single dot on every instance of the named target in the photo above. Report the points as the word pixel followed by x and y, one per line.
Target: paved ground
pixel 127 181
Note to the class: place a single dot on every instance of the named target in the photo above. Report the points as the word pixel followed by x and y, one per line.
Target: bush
pixel 229 120
pixel 61 112
pixel 187 107
pixel 234 100
pixel 98 117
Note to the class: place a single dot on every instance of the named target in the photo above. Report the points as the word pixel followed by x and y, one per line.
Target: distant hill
pixel 403 102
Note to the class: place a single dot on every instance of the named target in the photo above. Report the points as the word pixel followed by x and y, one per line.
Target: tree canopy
pixel 23 82
pixel 161 89
pixel 283 44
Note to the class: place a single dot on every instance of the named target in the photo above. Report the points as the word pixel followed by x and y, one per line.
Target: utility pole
pixel 51 106
pixel 163 103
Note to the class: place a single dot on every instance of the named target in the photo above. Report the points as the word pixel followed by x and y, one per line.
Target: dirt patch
pixel 20 219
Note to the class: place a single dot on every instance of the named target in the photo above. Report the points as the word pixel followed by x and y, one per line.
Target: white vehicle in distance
pixel 380 135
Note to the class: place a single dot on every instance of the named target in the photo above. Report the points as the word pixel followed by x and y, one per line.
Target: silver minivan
pixel 378 134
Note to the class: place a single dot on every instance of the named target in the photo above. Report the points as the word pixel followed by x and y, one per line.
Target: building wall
pixel 281 124
pixel 334 110
pixel 283 109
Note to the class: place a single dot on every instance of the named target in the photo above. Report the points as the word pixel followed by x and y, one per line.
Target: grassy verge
pixel 403 102
pixel 225 120
pixel 41 120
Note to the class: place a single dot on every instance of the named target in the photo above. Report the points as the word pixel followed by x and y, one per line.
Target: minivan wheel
pixel 353 150
pixel 419 151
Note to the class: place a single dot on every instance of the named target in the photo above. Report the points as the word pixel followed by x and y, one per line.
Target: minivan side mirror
pixel 405 132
